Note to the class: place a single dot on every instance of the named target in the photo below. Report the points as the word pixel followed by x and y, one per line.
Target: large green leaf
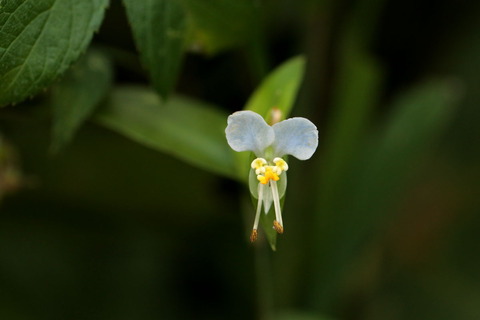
pixel 75 97
pixel 370 186
pixel 159 30
pixel 40 39
pixel 220 24
pixel 279 89
pixel 185 128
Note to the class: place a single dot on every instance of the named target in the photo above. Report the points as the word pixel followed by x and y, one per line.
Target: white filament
pixel 259 206
pixel 276 202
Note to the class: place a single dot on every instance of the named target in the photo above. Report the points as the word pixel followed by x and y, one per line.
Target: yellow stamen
pixel 281 164
pixel 269 175
pixel 258 163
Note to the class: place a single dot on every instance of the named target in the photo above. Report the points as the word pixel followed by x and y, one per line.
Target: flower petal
pixel 297 137
pixel 247 131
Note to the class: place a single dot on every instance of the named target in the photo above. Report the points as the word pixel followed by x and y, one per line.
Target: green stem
pixel 262 264
pixel 263 271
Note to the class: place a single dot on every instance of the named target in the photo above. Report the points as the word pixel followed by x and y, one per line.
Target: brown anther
pixel 253 236
pixel 277 226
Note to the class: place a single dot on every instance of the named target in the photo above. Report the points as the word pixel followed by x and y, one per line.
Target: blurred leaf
pixel 374 181
pixel 221 24
pixel 40 39
pixel 279 89
pixel 356 91
pixel 355 97
pixel 188 129
pixel 75 97
pixel 159 29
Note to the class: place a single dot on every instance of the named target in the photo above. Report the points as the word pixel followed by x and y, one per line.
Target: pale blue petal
pixel 248 131
pixel 297 137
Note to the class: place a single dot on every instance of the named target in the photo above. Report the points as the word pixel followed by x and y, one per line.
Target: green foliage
pixel 159 29
pixel 40 40
pixel 279 89
pixel 220 24
pixel 44 37
pixel 368 188
pixel 74 98
pixel 190 130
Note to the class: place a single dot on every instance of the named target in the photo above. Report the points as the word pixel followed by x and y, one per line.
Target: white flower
pixel 248 131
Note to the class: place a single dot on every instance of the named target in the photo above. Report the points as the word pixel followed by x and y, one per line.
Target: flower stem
pixel 263 271
pixel 262 263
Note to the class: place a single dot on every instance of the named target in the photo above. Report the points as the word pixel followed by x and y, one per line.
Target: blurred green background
pixel 382 223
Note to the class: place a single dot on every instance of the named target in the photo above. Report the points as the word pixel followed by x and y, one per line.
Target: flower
pixel 248 131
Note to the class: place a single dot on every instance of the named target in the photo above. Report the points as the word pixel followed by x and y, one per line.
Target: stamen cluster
pixel 266 172
pixel 268 175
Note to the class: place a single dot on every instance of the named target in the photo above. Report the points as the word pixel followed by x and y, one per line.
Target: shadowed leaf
pixel 159 31
pixel 40 39
pixel 185 128
pixel 76 96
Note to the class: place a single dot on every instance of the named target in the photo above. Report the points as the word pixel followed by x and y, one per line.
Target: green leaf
pixel 185 128
pixel 221 24
pixel 279 89
pixel 159 30
pixel 75 97
pixel 355 97
pixel 357 89
pixel 40 39
pixel 374 181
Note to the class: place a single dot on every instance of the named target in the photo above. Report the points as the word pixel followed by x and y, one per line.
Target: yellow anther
pixel 260 170
pixel 269 175
pixel 258 163
pixel 280 163
pixel 262 179
pixel 277 170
